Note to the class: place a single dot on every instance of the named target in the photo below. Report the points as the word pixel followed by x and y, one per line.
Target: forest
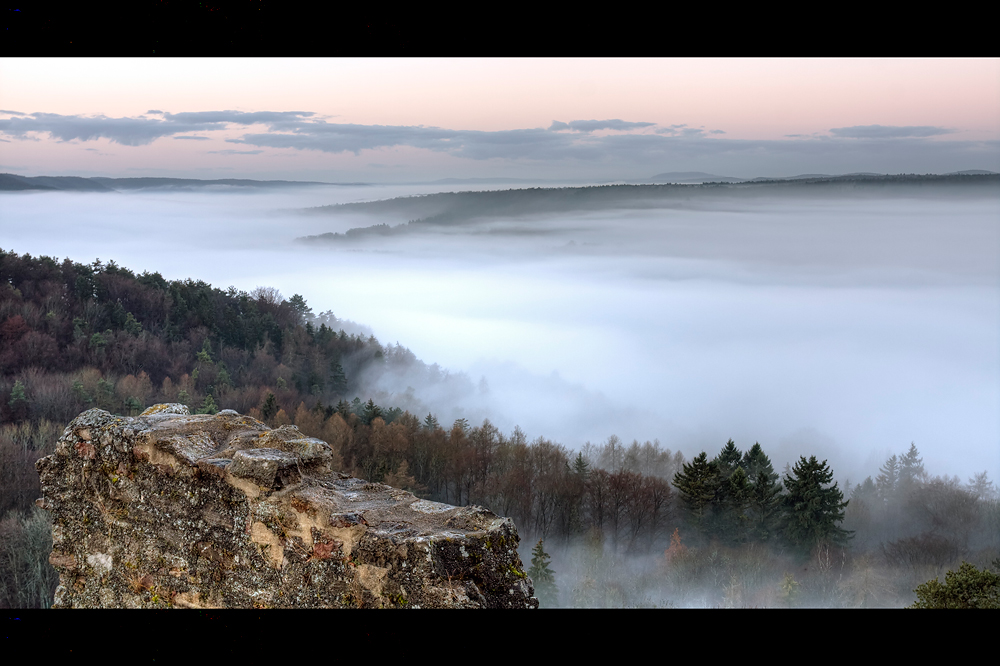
pixel 607 524
pixel 452 208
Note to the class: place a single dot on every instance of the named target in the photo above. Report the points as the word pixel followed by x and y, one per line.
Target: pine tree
pixel 966 588
pixel 765 494
pixel 728 459
pixel 581 467
pixel 737 509
pixel 209 406
pixel 344 409
pixel 131 325
pixel 223 378
pixel 339 383
pixel 911 469
pixel 270 408
pixel 371 411
pixel 888 479
pixel 18 402
pixel 726 507
pixel 813 508
pixel 981 487
pixel 298 304
pixel 543 577
pixel 698 483
pixel 205 355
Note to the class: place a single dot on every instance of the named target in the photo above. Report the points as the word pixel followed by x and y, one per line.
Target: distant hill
pixel 14 182
pixel 699 177
pixel 689 177
pixel 190 183
pixel 404 214
pixel 491 181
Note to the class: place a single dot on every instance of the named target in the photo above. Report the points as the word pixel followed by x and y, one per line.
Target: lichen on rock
pixel 171 509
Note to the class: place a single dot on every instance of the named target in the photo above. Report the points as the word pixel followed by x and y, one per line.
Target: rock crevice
pixel 220 511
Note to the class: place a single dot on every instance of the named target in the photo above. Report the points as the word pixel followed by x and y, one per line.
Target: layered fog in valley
pixel 839 322
pixel 709 332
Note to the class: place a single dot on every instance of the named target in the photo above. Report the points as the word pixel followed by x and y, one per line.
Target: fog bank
pixel 830 326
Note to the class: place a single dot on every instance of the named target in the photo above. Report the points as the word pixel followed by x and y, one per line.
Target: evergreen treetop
pixel 888 478
pixel 728 459
pixel 911 468
pixel 543 577
pixel 698 483
pixel 813 508
pixel 966 588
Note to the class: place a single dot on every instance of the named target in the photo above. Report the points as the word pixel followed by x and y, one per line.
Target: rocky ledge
pixel 170 509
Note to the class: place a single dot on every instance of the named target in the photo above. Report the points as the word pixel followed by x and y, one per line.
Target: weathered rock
pixel 173 509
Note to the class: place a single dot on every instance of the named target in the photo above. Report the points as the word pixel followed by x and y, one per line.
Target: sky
pixel 411 120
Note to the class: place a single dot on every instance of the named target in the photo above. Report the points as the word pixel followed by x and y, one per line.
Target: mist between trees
pixel 615 524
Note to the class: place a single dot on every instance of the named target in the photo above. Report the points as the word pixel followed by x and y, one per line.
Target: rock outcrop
pixel 220 511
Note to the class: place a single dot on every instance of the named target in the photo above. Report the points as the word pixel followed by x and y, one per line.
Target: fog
pixel 838 327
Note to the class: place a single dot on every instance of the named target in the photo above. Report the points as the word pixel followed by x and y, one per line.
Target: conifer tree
pixel 756 460
pixel 813 508
pixel 725 505
pixel 728 459
pixel 371 411
pixel 131 325
pixel 209 406
pixel 581 467
pixel 339 383
pixel 302 310
pixel 270 407
pixel 205 355
pixel 738 494
pixel 966 588
pixel 888 479
pixel 344 409
pixel 18 402
pixel 543 577
pixel 764 508
pixel 911 469
pixel 698 483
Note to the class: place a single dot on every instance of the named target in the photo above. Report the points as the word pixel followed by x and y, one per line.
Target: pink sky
pixel 951 101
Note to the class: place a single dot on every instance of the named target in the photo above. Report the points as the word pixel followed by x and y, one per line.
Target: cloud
pixel 235 152
pixel 889 131
pixel 677 148
pixel 596 125
pixel 143 131
pixel 126 131
pixel 573 145
pixel 338 138
pixel 682 130
pixel 273 118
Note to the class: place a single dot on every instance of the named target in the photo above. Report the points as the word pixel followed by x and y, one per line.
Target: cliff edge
pixel 170 509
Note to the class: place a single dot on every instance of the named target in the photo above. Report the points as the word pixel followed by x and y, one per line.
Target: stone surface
pixel 169 509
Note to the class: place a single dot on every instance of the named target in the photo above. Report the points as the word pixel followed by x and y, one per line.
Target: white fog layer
pixel 838 327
